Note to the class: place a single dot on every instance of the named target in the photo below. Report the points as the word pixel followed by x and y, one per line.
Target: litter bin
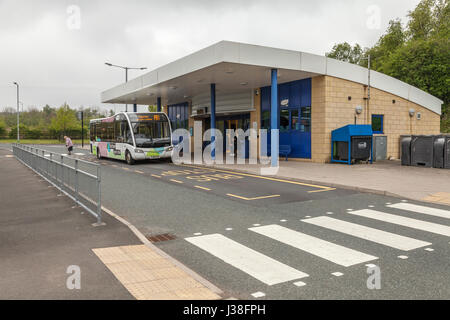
pixel 405 149
pixel 422 151
pixel 380 148
pixel 438 152
pixel 447 152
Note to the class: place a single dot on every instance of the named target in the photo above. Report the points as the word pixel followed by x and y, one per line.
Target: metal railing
pixel 78 179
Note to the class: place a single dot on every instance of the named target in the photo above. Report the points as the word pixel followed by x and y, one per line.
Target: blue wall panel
pixel 299 95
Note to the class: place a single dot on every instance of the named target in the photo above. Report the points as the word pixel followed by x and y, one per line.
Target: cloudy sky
pixel 56 49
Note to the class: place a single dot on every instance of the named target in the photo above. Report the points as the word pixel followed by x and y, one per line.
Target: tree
pixel 420 22
pixel 152 108
pixel 418 54
pixel 345 52
pixel 2 128
pixel 423 64
pixel 65 121
pixel 49 112
pixel 393 39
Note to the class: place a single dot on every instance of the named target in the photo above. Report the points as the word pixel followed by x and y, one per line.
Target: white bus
pixel 132 136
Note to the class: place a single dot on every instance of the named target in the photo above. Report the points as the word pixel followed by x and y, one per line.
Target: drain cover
pixel 161 237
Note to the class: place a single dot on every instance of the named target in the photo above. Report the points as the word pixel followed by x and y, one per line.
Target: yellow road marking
pixel 177 181
pixel 213 177
pixel 268 178
pixel 203 188
pixel 137 171
pixel 156 176
pixel 325 190
pixel 124 168
pixel 251 199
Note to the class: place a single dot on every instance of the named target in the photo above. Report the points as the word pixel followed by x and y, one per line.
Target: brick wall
pixel 331 109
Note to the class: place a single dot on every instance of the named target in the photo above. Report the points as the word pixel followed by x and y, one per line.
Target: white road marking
pixel 306 217
pixel 258 294
pixel 256 225
pixel 378 236
pixel 79 154
pixel 429 249
pixel 283 220
pixel 422 209
pixel 349 209
pixel 197 234
pixel 299 284
pixel 403 257
pixel 370 265
pixel 64 154
pixel 337 274
pixel 45 155
pixel 327 250
pixel 404 200
pixel 257 265
pixel 388 203
pixel 330 213
pixel 403 221
pixel 9 156
pixel 371 206
pixel 229 229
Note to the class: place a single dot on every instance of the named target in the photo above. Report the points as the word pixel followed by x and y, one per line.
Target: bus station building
pixel 233 85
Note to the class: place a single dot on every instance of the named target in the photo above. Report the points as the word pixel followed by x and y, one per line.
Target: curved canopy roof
pixel 237 66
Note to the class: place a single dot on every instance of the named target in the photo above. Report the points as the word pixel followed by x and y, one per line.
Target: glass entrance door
pixel 295 130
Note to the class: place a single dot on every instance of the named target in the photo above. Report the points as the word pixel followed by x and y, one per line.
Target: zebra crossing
pixel 250 261
pixel 271 272
pixel 324 249
pixel 371 234
pixel 404 221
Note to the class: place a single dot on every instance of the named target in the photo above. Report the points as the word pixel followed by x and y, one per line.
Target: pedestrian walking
pixel 69 145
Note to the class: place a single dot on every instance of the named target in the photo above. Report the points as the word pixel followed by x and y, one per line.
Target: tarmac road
pixel 255 237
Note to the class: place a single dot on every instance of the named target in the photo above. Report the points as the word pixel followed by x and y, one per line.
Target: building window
pixel 284 120
pixel 178 116
pixel 305 124
pixel 377 123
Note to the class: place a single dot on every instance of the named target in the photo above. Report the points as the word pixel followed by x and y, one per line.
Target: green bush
pixel 2 129
pixel 33 134
pixel 23 131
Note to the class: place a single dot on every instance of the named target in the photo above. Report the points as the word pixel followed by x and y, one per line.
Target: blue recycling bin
pixel 353 142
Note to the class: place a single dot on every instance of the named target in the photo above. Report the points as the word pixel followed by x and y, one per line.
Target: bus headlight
pixel 169 148
pixel 139 151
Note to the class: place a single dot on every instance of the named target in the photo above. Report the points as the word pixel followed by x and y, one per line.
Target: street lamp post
pixel 18 136
pixel 126 74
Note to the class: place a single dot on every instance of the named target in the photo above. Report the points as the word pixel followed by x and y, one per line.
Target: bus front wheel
pixel 129 158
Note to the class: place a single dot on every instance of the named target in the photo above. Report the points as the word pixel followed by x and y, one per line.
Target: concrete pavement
pixel 45 238
pixel 42 235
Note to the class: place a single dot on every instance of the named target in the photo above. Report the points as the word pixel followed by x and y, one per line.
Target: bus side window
pixel 111 136
pixel 118 128
pixel 127 133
